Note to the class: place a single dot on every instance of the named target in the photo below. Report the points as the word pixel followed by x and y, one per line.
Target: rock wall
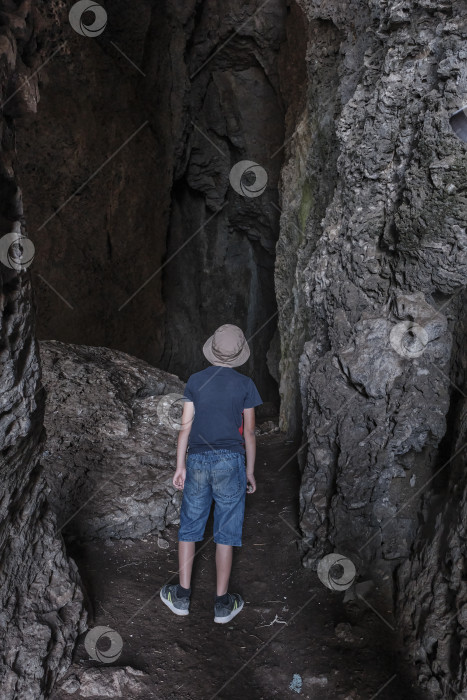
pixel 112 430
pixel 40 597
pixel 432 599
pixel 372 252
pixel 99 213
pixel 140 188
pixel 225 239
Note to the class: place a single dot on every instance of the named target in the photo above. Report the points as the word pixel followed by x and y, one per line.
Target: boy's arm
pixel 182 444
pixel 250 445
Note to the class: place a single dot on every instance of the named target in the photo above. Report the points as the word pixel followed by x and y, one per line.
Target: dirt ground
pixel 282 645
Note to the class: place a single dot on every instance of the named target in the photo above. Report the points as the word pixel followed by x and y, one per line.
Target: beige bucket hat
pixel 227 346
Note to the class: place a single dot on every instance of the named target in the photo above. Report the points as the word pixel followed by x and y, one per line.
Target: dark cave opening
pixel 115 236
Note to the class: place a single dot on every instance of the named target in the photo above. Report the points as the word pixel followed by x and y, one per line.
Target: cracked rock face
pixel 41 602
pixel 111 423
pixel 119 251
pixel 375 274
pixel 432 602
pixel 374 180
pixel 219 229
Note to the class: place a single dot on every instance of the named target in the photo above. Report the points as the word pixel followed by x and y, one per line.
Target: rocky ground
pixel 294 637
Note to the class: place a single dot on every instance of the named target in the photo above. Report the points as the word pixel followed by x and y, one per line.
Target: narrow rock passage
pixel 326 650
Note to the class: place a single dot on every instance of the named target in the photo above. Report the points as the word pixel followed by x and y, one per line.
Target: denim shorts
pixel 219 475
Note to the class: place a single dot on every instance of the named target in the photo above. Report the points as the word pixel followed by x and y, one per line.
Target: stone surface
pixel 227 237
pixel 110 452
pixel 98 215
pixel 41 603
pixel 110 682
pixel 373 241
pixel 127 208
pixel 432 599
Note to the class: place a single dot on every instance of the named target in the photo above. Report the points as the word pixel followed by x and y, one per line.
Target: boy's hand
pixel 179 478
pixel 251 486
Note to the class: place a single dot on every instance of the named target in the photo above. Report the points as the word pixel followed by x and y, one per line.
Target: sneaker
pixel 180 606
pixel 224 613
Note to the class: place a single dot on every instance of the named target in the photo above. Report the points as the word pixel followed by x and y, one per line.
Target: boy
pixel 215 465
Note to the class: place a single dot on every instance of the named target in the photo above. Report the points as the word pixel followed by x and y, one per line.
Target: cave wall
pixel 40 596
pixel 113 225
pixel 88 217
pixel 432 588
pixel 373 240
pixel 307 184
pixel 99 214
pixel 221 244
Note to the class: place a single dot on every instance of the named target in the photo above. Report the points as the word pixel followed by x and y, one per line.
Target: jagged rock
pixel 373 247
pixel 41 602
pixel 415 308
pixel 373 271
pixel 109 458
pixel 269 426
pixel 371 365
pixel 432 588
pixel 344 631
pixel 106 682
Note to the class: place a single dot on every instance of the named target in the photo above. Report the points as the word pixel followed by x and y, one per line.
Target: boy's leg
pixel 186 554
pixel 223 567
pixel 194 512
pixel 229 489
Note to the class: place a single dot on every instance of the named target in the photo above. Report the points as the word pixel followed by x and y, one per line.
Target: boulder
pixel 111 441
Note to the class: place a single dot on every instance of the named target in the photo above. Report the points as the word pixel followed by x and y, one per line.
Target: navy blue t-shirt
pixel 219 394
